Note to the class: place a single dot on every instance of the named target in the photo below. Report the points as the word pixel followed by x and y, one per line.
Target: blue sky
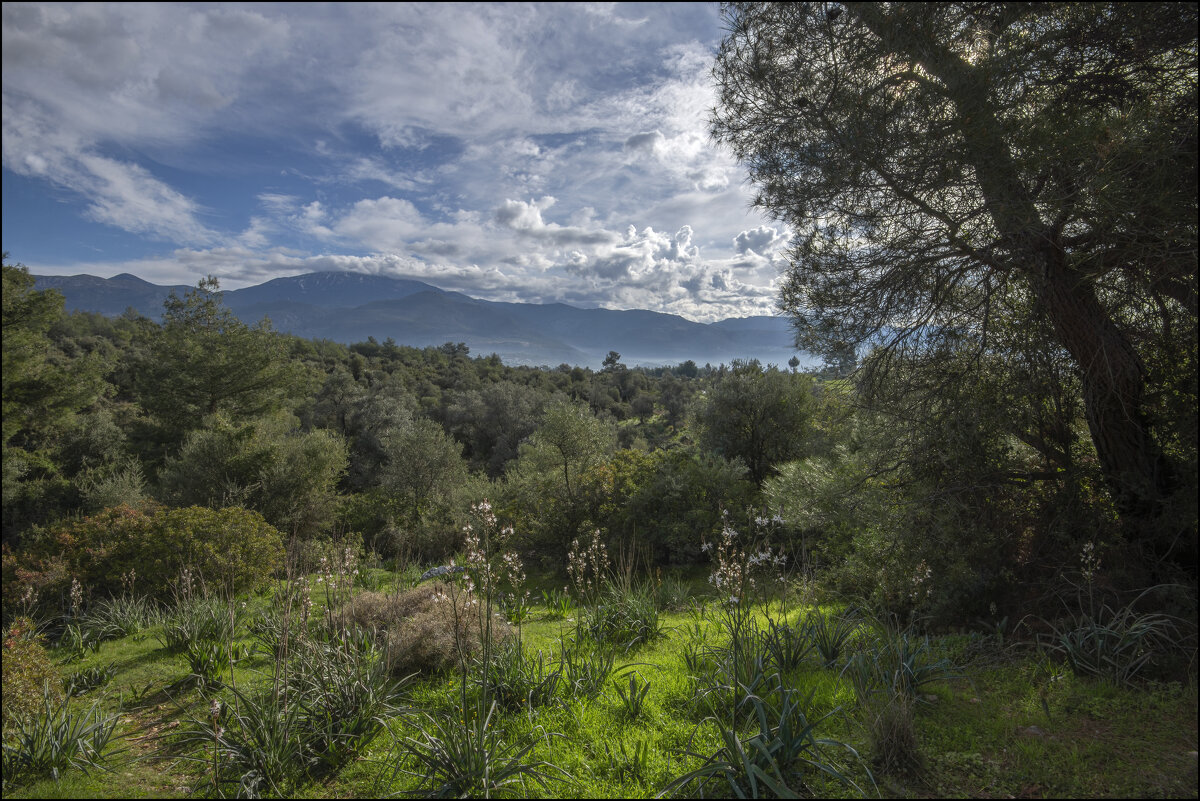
pixel 537 153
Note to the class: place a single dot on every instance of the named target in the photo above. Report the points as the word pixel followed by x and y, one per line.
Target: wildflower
pixel 76 595
pixel 1089 561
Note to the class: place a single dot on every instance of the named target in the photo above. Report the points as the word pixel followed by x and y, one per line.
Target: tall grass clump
pixel 470 759
pixel 203 628
pixel 888 674
pixel 1114 642
pixel 54 739
pixel 624 618
pixel 519 681
pixel 832 634
pixel 742 687
pixel 783 756
pixel 122 615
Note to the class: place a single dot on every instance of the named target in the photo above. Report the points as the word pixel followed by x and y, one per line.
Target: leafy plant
pixel 55 739
pixel 629 764
pixel 633 700
pixel 344 690
pixel 256 741
pixel 208 659
pixel 77 640
pixel 1116 644
pixel 896 663
pixel 623 618
pixel 461 759
pixel 779 758
pixel 122 616
pixel 193 620
pixel 786 647
pixel 832 634
pixel 672 593
pixel 516 681
pixel 558 603
pixel 517 609
pixel 82 681
pixel 888 675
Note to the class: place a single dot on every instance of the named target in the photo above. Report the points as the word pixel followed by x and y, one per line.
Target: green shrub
pixel 234 548
pixel 27 671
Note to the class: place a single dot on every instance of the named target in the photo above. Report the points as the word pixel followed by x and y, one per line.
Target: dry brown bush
pixel 423 628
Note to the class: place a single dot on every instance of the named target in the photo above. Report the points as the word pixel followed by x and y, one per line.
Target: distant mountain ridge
pixel 349 307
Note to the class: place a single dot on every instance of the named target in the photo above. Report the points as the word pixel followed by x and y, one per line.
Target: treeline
pixel 950 501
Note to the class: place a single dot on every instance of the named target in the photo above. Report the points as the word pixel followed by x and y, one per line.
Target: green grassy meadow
pixel 1004 721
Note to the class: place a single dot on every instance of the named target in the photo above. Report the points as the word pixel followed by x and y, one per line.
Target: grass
pixel 1007 723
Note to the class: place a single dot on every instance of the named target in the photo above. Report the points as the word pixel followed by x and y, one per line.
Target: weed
pixel 623 618
pixel 893 735
pixel 629 765
pixel 343 689
pixel 77 640
pixel 256 741
pixel 558 604
pixel 786 647
pixel 897 663
pixel 672 593
pixel 586 667
pixel 518 682
pixel 122 616
pixel 887 676
pixel 633 701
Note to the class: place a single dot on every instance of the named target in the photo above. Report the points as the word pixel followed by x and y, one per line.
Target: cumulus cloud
pixel 762 240
pixel 521 216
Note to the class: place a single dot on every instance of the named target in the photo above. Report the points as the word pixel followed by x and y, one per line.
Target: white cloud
pixel 763 240
pixel 540 152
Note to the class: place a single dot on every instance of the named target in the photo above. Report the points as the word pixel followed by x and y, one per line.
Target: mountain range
pixel 350 307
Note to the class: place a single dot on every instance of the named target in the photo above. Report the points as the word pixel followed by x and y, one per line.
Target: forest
pixel 959 559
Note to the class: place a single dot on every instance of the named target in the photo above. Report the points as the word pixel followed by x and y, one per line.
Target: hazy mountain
pixel 349 307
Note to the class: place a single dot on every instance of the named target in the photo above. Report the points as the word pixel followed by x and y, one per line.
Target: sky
pixel 537 153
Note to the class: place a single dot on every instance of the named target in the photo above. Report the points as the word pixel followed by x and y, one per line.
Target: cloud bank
pixel 516 152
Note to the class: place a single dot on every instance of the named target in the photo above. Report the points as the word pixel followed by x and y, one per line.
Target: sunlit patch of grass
pixel 1096 738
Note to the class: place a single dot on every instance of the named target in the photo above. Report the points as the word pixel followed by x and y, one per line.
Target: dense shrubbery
pixel 28 672
pixel 230 548
pixel 944 499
